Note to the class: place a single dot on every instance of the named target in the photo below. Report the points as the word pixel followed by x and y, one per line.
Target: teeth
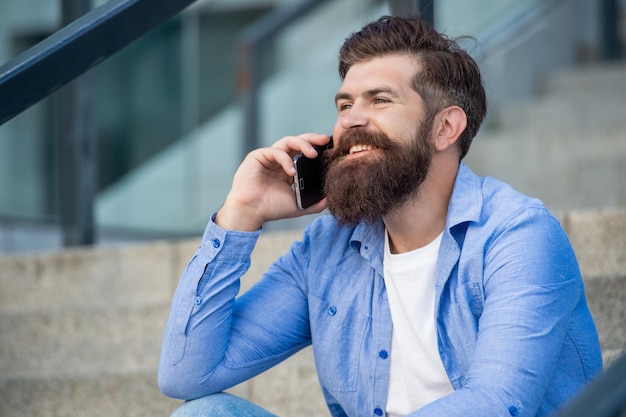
pixel 360 148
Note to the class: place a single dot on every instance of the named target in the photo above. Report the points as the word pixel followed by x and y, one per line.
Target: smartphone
pixel 310 175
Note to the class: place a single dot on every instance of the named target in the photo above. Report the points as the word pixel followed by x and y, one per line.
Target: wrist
pixel 236 218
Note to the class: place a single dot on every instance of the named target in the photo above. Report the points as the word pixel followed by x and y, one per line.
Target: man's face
pixel 382 147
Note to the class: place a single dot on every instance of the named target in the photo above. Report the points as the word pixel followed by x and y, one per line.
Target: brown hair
pixel 447 74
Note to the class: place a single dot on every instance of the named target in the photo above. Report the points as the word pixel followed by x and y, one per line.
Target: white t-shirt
pixel 417 376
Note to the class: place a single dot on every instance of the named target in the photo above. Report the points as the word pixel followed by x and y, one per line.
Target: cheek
pixel 337 126
pixel 402 131
pixel 338 131
pixel 398 124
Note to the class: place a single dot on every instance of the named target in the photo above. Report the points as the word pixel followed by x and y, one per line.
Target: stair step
pixel 567 172
pixel 124 275
pixel 599 240
pixel 78 342
pixel 571 101
pixel 567 146
pixel 291 389
pixel 81 342
pixel 131 395
pixel 564 116
pixel 606 298
pixel 599 79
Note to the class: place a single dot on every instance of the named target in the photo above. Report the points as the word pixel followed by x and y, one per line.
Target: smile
pixel 360 148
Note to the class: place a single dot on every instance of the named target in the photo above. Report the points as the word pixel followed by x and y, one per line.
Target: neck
pixel 421 219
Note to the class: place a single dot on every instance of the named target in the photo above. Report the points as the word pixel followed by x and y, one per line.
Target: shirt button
pixel 378 411
pixel 332 311
pixel 198 301
pixel 216 243
pixel 383 354
pixel 513 411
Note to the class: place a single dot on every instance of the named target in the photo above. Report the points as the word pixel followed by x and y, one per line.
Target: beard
pixel 365 189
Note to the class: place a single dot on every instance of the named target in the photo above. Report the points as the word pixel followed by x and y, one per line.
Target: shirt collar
pixel 467 198
pixel 465 206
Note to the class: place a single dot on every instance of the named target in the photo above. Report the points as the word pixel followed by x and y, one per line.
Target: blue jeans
pixel 220 405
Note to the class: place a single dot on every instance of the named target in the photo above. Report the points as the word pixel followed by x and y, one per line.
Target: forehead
pixel 396 71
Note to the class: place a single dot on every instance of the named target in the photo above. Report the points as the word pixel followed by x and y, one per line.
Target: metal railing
pixel 88 39
pixel 85 41
pixel 603 397
pixel 76 48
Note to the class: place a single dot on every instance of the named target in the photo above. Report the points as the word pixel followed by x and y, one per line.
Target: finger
pixel 302 143
pixel 269 158
pixel 315 208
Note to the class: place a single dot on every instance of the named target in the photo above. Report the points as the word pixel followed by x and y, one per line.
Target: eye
pixel 344 106
pixel 381 100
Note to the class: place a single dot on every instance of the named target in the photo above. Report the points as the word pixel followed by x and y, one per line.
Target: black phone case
pixel 309 179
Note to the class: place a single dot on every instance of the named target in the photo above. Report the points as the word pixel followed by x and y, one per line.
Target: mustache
pixel 359 136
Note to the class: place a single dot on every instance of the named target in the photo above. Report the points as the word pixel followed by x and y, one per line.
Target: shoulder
pixel 488 200
pixel 498 215
pixel 519 235
pixel 505 207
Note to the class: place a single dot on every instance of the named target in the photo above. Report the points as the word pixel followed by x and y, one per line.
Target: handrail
pixel 56 61
pixel 605 396
pixel 74 49
pixel 530 15
pixel 500 35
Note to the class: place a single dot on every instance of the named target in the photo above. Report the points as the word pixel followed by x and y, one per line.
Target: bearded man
pixel 427 290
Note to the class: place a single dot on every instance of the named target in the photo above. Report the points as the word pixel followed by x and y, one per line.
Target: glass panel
pixel 181 136
pixel 169 124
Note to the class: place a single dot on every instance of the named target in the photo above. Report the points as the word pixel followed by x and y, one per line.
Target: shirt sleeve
pixel 532 288
pixel 214 340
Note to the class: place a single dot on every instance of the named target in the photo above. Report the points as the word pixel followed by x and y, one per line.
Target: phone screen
pixel 310 175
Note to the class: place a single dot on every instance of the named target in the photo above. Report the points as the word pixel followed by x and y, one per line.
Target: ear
pixel 448 126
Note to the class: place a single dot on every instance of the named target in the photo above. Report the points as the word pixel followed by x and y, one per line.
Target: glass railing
pixel 169 123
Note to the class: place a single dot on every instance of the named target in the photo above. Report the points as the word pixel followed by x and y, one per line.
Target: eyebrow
pixel 368 93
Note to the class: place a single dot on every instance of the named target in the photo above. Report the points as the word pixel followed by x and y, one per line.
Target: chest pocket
pixel 338 330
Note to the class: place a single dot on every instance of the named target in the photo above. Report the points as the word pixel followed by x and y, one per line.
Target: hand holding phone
pixel 310 176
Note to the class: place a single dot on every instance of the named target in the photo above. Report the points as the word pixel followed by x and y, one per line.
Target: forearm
pixel 198 327
pixel 513 361
pixel 531 288
pixel 468 402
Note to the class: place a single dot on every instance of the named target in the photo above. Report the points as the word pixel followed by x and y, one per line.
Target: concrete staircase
pixel 568 145
pixel 80 329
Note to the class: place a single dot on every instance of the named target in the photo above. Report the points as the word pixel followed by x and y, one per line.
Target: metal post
pixel 611 45
pixel 252 44
pixel 425 8
pixel 78 148
pixel 249 80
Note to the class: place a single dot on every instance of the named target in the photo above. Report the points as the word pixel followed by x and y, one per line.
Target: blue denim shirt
pixel 515 335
